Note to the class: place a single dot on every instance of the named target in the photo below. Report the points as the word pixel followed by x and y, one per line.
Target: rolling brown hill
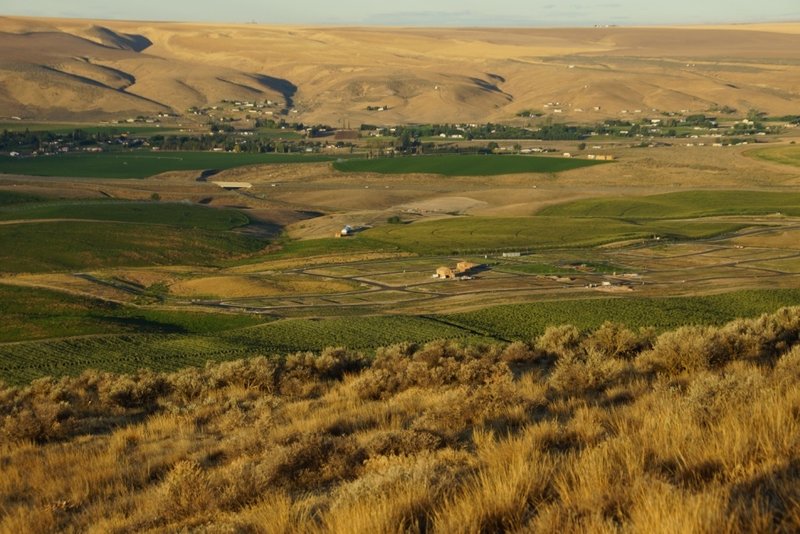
pixel 69 69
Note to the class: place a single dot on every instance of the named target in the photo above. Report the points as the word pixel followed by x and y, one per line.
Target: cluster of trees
pixel 548 132
pixel 229 142
pixel 32 141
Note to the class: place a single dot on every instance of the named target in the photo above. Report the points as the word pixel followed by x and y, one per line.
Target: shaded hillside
pixel 695 430
pixel 333 75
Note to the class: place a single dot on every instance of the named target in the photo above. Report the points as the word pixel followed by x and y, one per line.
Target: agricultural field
pixel 786 155
pixel 141 164
pixel 522 322
pixel 57 236
pixel 463 165
pixel 461 235
pixel 689 204
pixel 128 352
pixel 155 213
pixel 33 313
pixel 126 340
pixel 8 198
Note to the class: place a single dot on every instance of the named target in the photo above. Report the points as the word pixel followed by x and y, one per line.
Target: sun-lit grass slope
pixel 522 321
pixel 466 165
pixel 478 234
pixel 167 341
pixel 692 430
pixel 689 204
pixel 97 73
pixel 142 164
pixel 32 313
pixel 172 214
pixel 60 246
pixel 39 237
pixel 787 155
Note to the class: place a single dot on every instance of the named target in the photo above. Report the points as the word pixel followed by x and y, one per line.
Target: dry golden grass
pixel 696 430
pixel 228 286
pixel 422 74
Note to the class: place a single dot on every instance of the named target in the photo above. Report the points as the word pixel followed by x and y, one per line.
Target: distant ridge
pixel 66 69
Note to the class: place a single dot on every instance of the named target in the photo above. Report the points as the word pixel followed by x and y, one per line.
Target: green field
pixel 689 204
pixel 8 198
pixel 62 246
pixel 160 351
pixel 112 233
pixel 462 165
pixel 23 362
pixel 786 155
pixel 482 234
pixel 172 214
pixel 141 164
pixel 32 313
pixel 524 321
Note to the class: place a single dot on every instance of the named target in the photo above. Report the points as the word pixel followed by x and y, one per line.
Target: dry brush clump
pixel 613 430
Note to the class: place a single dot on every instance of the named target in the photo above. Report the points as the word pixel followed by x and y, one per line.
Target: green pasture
pixel 463 165
pixel 74 246
pixel 166 342
pixel 34 313
pixel 786 155
pixel 23 362
pixel 141 164
pixel 8 198
pixel 173 214
pixel 688 204
pixel 485 234
pixel 525 321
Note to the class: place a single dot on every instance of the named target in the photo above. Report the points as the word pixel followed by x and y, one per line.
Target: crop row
pixel 22 362
pixel 525 321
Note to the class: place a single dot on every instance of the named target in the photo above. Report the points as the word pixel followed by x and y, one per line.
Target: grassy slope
pixel 786 155
pixel 131 234
pixel 9 198
pixel 172 214
pixel 165 351
pixel 463 165
pixel 484 233
pixel 141 164
pixel 687 204
pixel 42 247
pixel 523 321
pixel 31 313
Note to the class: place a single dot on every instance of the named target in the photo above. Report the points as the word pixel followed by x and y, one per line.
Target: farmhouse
pixel 445 273
pixel 465 267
